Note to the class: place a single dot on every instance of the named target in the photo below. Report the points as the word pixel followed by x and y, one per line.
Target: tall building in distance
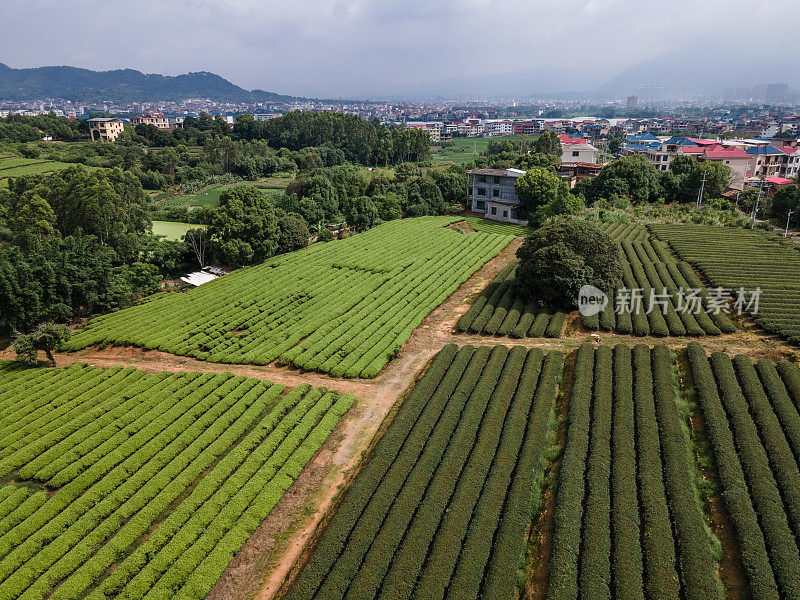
pixel 777 93
pixel 632 103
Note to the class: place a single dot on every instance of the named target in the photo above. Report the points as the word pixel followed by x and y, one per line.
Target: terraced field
pixel 442 506
pixel 121 483
pixel 343 307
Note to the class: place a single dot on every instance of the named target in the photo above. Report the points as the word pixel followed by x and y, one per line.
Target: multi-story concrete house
pixel 578 152
pixel 156 119
pixel 492 194
pixel 105 129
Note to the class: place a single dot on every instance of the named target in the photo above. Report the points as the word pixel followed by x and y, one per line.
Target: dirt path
pixel 273 552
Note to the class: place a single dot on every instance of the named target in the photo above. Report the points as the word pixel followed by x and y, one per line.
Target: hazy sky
pixel 370 47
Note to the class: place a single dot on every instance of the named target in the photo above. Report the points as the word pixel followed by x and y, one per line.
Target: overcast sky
pixel 372 47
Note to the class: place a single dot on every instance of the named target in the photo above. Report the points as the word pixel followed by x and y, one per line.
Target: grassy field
pixel 465 150
pixel 17 167
pixel 122 483
pixel 489 226
pixel 344 307
pixel 171 230
pixel 210 196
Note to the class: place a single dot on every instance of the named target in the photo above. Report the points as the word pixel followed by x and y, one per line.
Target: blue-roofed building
pixel 769 161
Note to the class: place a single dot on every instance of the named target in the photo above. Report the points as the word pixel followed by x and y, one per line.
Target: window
pixel 482 178
pixel 505 214
pixel 480 205
pixel 663 167
pixel 576 153
pixel 497 180
pixel 481 191
pixel 727 162
pixel 494 210
pixel 664 158
pixel 496 193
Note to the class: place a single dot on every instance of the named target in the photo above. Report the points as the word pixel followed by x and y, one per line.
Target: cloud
pixel 357 47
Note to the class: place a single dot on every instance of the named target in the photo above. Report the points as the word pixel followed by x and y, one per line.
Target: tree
pixel 717 177
pixel 631 176
pixel 785 199
pixel 197 240
pixel 292 233
pixel 538 188
pixel 548 143
pixel 363 213
pixel 557 260
pixel 47 336
pixel 244 228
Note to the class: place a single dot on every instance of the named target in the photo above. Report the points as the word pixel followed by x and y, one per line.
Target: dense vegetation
pixel 77 242
pixel 164 476
pixel 741 259
pixel 442 506
pixel 559 259
pixel 345 307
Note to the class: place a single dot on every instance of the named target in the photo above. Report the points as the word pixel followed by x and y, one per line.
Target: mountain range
pixel 122 85
pixel 687 73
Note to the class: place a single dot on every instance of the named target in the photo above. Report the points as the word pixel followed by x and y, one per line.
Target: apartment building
pixel 156 119
pixel 105 129
pixel 492 194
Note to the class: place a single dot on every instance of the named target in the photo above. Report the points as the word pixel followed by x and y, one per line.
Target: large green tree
pixel 540 187
pixel 557 260
pixel 244 228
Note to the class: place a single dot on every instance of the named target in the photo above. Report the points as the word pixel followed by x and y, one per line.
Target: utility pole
pixel 702 189
pixel 789 216
pixel 755 206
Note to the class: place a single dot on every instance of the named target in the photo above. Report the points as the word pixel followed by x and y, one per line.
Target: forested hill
pixel 122 85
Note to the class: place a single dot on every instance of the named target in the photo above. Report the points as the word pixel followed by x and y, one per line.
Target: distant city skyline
pixel 370 48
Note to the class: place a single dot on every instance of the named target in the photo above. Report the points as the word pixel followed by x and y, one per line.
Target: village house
pixel 492 194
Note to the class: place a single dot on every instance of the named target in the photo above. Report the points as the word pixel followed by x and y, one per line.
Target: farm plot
pixel 663 297
pixel 488 226
pixel 736 259
pixel 627 524
pixel 17 167
pixel 501 310
pixel 751 418
pixel 442 506
pixel 343 307
pixel 121 483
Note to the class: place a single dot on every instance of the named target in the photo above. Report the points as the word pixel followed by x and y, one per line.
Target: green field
pixel 465 150
pixel 489 226
pixel 122 483
pixel 173 231
pixel 741 259
pixel 210 196
pixel 445 499
pixel 344 307
pixel 17 167
pixel 448 504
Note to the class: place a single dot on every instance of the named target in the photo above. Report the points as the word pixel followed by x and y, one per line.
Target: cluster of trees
pixel 363 142
pixel 634 177
pixel 253 149
pixel 786 199
pixel 363 199
pixel 16 128
pixel 77 242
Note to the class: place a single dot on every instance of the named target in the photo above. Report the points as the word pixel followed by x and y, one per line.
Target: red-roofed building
pixel 735 158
